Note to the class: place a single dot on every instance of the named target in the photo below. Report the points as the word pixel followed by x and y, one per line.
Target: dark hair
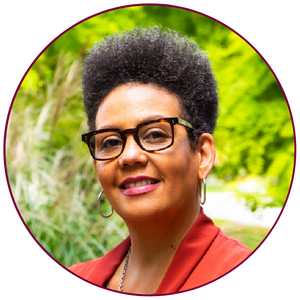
pixel 165 58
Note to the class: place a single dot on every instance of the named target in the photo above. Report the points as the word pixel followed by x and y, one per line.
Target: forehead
pixel 130 104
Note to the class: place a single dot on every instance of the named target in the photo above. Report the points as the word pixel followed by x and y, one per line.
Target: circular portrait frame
pixel 30 85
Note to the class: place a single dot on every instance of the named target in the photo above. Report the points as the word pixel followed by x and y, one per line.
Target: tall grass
pixel 51 172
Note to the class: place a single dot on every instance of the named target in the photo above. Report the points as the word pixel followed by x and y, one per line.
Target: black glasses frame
pixel 87 136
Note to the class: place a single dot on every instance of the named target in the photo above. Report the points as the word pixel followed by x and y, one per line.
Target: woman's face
pixel 139 184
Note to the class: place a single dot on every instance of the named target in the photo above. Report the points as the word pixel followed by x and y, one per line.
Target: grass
pixel 51 173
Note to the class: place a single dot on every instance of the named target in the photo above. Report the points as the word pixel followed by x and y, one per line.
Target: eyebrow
pixel 149 118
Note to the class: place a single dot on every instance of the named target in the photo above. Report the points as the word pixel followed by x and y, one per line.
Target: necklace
pixel 124 270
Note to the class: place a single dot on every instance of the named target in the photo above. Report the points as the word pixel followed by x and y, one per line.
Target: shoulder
pixel 223 255
pixel 99 270
pixel 229 248
pixel 84 269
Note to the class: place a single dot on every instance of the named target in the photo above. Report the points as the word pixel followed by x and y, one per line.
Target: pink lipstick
pixel 139 185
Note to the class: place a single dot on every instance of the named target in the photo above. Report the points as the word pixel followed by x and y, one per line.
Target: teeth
pixel 138 183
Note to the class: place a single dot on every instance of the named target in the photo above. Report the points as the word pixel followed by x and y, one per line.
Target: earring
pixel 99 204
pixel 203 199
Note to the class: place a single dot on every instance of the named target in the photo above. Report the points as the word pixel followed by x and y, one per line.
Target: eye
pixel 111 142
pixel 107 142
pixel 155 135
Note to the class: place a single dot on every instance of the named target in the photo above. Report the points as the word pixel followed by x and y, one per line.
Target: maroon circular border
pixel 105 11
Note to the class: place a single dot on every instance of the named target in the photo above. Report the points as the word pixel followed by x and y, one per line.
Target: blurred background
pixel 51 172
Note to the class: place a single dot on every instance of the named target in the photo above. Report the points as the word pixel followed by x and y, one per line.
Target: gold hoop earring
pixel 203 199
pixel 99 204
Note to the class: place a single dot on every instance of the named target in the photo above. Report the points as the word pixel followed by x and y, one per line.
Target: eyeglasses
pixel 151 136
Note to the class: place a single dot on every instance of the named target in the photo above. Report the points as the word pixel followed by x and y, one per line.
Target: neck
pixel 155 238
pixel 153 246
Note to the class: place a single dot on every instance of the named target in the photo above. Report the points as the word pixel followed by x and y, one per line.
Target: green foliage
pixel 254 139
pixel 51 172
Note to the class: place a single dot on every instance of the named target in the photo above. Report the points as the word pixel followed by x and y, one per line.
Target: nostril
pixel 132 154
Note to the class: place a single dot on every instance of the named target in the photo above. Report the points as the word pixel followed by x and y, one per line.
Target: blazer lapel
pixel 189 253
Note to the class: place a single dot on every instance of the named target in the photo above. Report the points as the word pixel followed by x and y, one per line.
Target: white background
pixel 271 27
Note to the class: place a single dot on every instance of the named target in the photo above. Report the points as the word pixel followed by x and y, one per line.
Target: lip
pixel 139 190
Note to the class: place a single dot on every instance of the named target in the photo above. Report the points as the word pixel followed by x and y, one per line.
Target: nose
pixel 132 154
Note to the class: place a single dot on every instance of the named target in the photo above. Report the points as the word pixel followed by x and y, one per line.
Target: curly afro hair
pixel 164 58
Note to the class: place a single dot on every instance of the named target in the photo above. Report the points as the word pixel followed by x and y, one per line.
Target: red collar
pixel 189 253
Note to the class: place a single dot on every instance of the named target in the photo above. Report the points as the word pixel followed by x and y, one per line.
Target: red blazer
pixel 204 254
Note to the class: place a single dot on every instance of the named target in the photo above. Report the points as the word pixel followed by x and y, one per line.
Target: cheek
pixel 103 173
pixel 182 164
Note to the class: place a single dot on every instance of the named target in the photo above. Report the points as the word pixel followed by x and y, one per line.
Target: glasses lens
pixel 156 136
pixel 106 145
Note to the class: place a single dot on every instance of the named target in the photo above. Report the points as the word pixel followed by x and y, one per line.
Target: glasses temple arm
pixel 184 123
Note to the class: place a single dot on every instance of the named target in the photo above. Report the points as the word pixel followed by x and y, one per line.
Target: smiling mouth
pixel 139 183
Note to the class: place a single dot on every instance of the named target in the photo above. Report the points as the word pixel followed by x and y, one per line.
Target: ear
pixel 207 153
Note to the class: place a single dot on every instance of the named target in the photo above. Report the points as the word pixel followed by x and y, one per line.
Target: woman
pixel 151 101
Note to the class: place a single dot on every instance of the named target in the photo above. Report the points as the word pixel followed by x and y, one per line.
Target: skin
pixel 159 219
